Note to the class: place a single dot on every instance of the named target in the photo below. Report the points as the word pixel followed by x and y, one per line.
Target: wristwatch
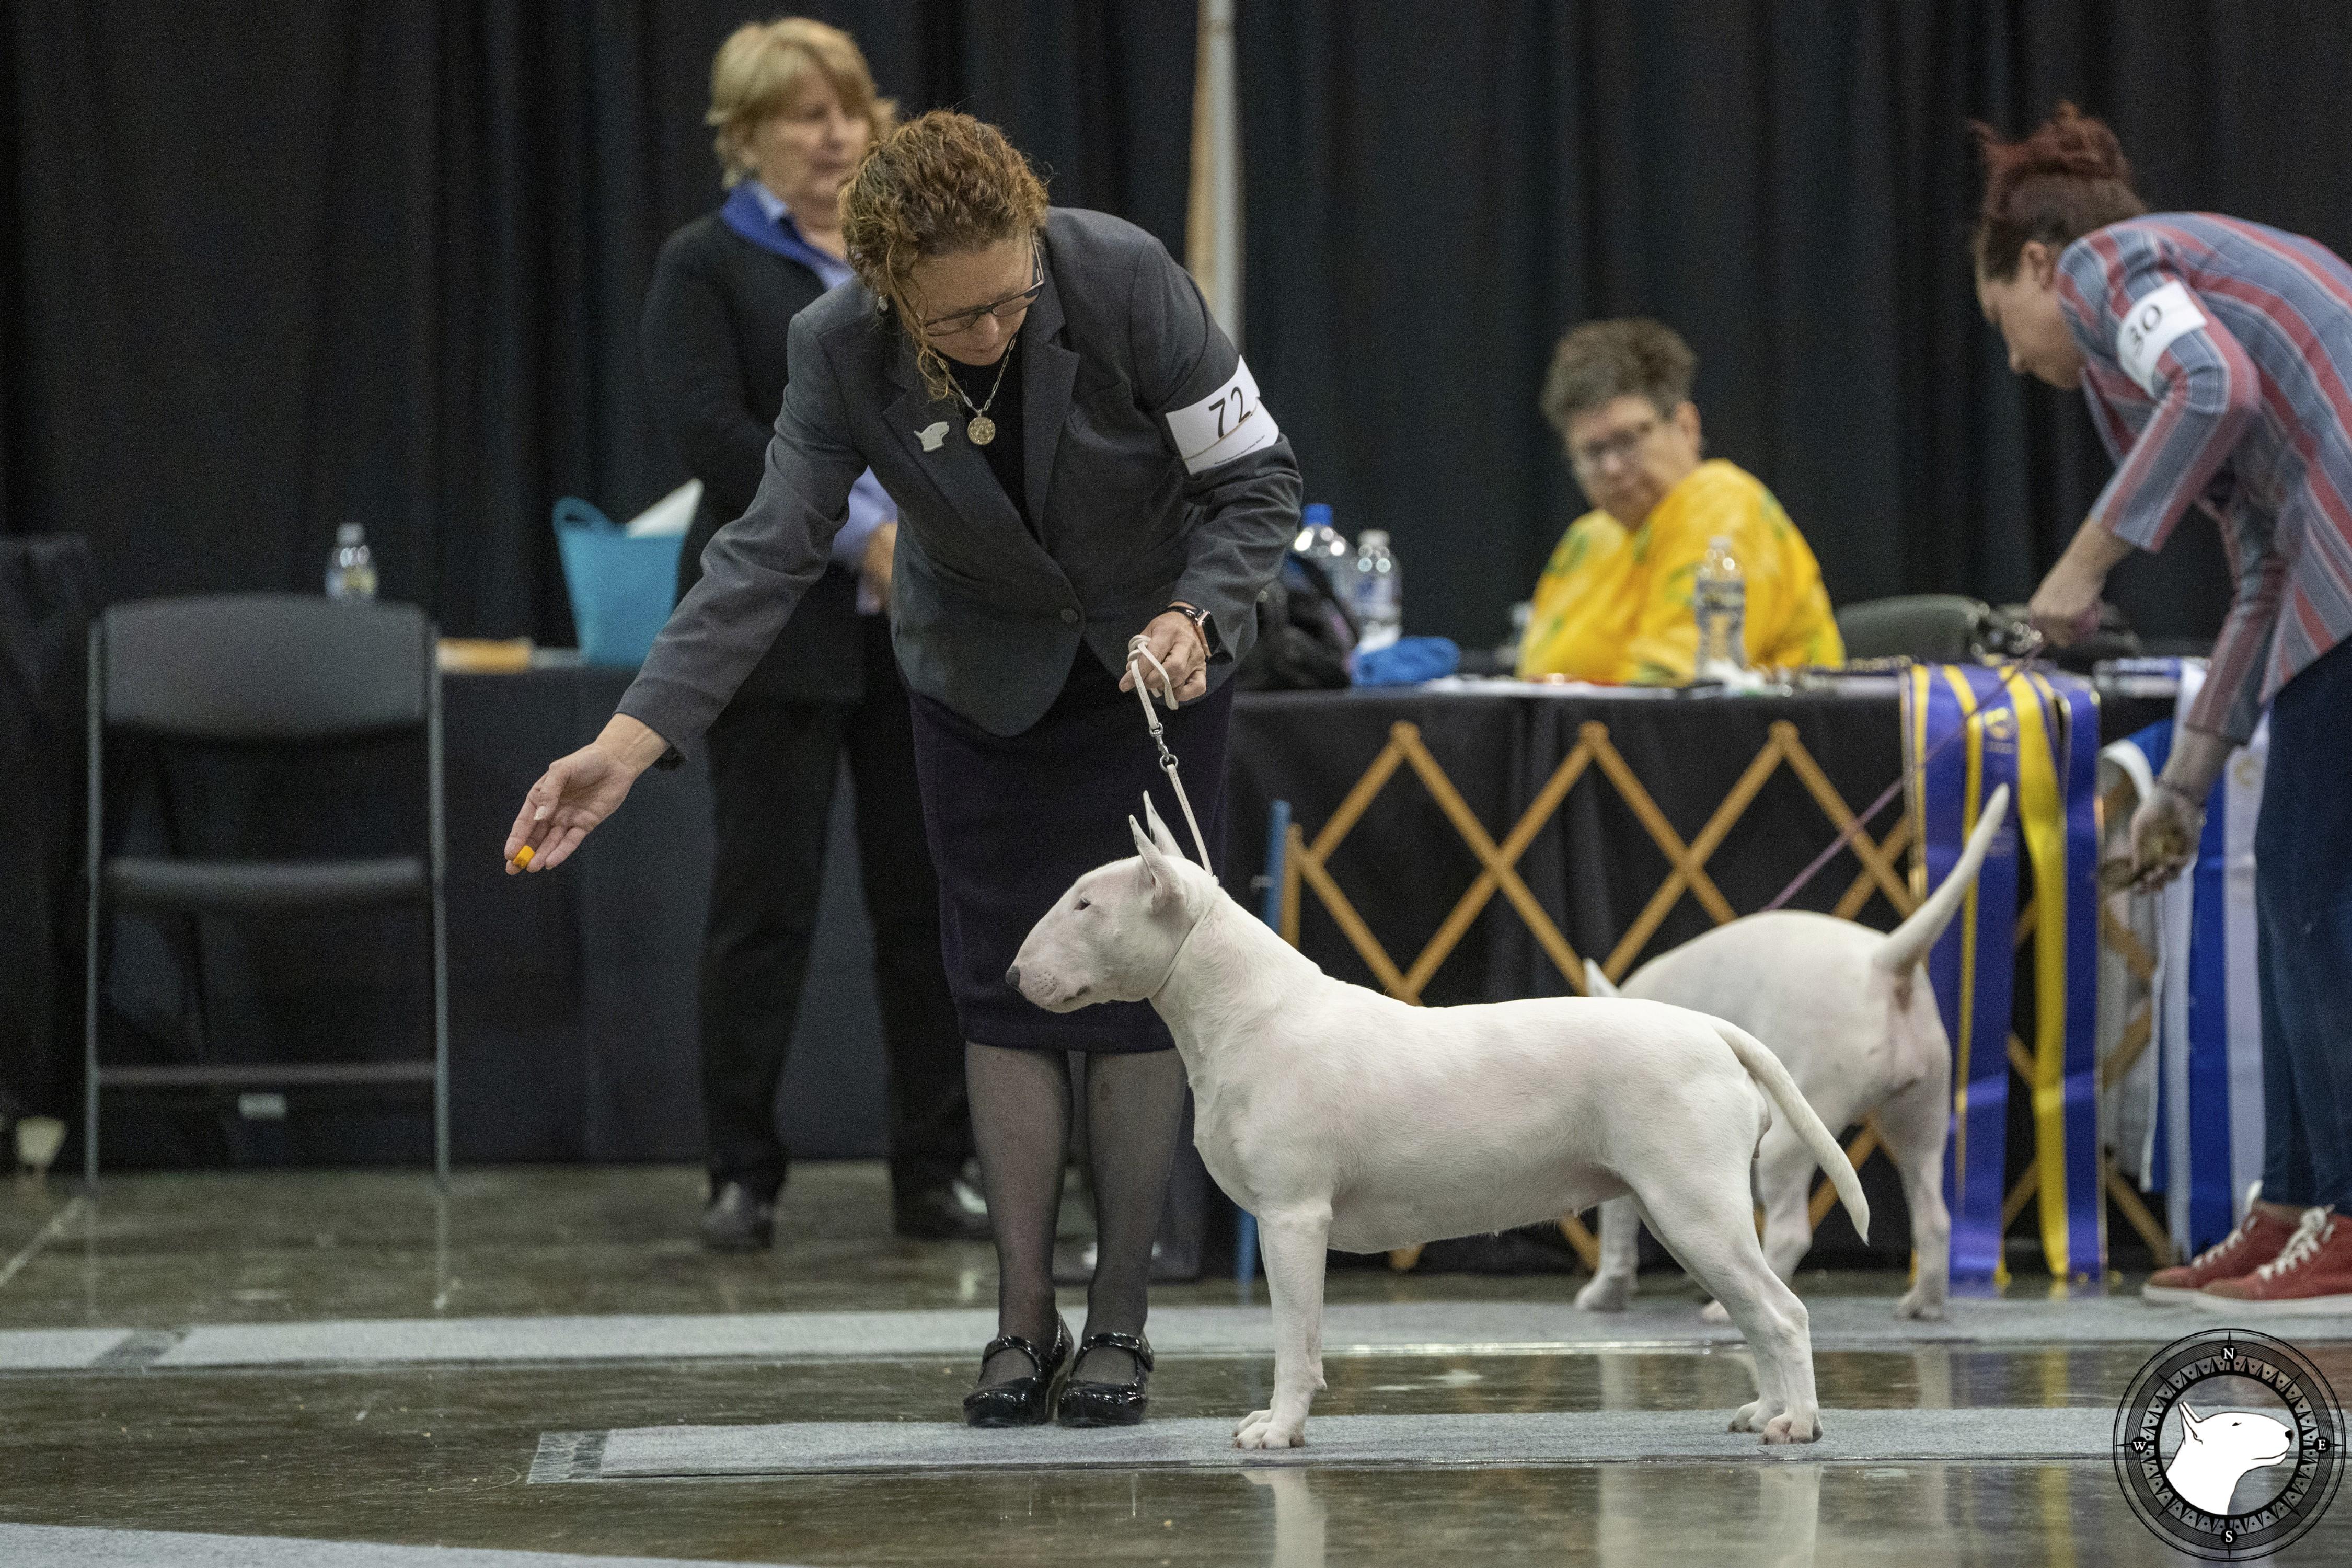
pixel 1202 622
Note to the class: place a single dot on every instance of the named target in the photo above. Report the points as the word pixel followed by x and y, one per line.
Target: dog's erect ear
pixel 1159 877
pixel 1159 834
pixel 1159 870
pixel 2189 1425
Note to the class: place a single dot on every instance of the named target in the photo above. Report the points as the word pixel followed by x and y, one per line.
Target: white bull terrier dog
pixel 1849 1013
pixel 1343 1118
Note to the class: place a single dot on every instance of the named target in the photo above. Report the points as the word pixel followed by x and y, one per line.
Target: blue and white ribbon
pixel 2209 1027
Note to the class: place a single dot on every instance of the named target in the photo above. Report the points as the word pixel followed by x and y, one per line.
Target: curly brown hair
pixel 941 183
pixel 2058 184
pixel 1600 361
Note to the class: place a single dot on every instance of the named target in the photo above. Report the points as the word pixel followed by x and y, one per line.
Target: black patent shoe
pixel 1110 1403
pixel 1021 1401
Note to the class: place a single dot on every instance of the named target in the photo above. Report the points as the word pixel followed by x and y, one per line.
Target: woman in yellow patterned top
pixel 1615 602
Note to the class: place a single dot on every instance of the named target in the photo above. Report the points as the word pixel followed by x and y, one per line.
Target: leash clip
pixel 1138 655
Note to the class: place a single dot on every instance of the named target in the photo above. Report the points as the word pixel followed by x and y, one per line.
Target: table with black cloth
pixel 1594 866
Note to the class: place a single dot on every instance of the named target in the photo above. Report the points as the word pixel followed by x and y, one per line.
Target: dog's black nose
pixel 1012 977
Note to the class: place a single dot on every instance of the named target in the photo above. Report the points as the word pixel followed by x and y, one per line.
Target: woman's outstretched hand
pixel 2164 836
pixel 1182 651
pixel 2066 608
pixel 2165 830
pixel 578 791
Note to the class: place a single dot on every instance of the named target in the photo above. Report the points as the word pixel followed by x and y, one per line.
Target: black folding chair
pixel 260 670
pixel 1938 629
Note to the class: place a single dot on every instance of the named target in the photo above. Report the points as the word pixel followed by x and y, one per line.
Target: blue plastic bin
pixel 622 588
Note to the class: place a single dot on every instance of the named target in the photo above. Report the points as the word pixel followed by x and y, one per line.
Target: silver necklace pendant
pixel 982 429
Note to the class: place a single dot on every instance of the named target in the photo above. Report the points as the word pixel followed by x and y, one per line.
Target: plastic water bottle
pixel 351 570
pixel 1508 653
pixel 1719 598
pixel 1324 546
pixel 1376 595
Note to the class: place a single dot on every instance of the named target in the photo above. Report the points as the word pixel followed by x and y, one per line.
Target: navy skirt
pixel 1015 820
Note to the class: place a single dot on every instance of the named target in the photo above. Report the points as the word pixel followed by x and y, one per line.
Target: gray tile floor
pixel 323 1368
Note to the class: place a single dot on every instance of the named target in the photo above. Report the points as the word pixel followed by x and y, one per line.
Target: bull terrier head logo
pixel 2229 1444
pixel 2215 1450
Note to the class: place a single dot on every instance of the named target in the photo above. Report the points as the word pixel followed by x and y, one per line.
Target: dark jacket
pixel 1153 474
pixel 718 316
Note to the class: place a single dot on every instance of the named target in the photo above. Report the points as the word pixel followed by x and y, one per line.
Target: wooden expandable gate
pixel 1306 865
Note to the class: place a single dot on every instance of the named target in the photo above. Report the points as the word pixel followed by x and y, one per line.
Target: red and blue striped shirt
pixel 2219 370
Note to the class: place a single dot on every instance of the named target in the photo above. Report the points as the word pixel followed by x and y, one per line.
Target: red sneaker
pixel 2255 1242
pixel 2312 1274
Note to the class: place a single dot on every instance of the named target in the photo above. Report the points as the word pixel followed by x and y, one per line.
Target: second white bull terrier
pixel 1848 1012
pixel 1343 1118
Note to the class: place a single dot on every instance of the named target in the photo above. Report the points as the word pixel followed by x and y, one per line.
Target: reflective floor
pixel 439 1455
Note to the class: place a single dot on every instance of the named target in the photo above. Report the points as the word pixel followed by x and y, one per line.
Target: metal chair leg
pixel 92 854
pixel 437 850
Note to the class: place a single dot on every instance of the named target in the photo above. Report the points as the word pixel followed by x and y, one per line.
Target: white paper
pixel 673 514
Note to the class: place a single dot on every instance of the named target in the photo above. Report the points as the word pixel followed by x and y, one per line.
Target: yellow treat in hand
pixel 522 858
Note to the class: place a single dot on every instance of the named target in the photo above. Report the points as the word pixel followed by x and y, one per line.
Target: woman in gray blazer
pixel 1078 456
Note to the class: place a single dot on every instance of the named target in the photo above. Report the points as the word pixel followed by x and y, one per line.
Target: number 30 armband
pixel 2158 319
pixel 1229 423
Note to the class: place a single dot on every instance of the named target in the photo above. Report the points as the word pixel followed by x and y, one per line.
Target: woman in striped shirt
pixel 2216 356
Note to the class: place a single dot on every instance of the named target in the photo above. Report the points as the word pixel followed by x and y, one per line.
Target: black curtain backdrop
pixel 1436 194
pixel 268 268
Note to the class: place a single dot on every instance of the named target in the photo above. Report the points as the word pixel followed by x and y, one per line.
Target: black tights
pixel 1021 1119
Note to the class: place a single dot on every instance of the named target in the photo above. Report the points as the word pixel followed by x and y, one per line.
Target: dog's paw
pixel 1749 1418
pixel 1791 1428
pixel 1916 1305
pixel 1259 1429
pixel 1714 1312
pixel 1605 1293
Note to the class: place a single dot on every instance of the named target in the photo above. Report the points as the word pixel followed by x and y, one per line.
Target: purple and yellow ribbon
pixel 2040 737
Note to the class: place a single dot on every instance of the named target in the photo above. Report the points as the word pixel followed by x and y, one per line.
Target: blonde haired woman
pixel 794 108
pixel 1080 457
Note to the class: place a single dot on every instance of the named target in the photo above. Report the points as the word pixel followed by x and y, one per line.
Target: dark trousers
pixel 2302 898
pixel 772 767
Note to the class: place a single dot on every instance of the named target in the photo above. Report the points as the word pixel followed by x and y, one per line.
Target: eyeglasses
pixel 1594 456
pixel 1002 309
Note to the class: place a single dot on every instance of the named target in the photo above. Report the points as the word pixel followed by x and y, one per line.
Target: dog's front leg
pixel 1293 1241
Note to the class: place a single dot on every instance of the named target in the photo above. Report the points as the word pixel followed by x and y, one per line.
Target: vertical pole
pixel 92 857
pixel 1277 837
pixel 1294 846
pixel 1213 225
pixel 438 851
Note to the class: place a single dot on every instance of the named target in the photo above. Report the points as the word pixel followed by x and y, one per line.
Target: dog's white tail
pixel 1596 981
pixel 1907 943
pixel 1765 1070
